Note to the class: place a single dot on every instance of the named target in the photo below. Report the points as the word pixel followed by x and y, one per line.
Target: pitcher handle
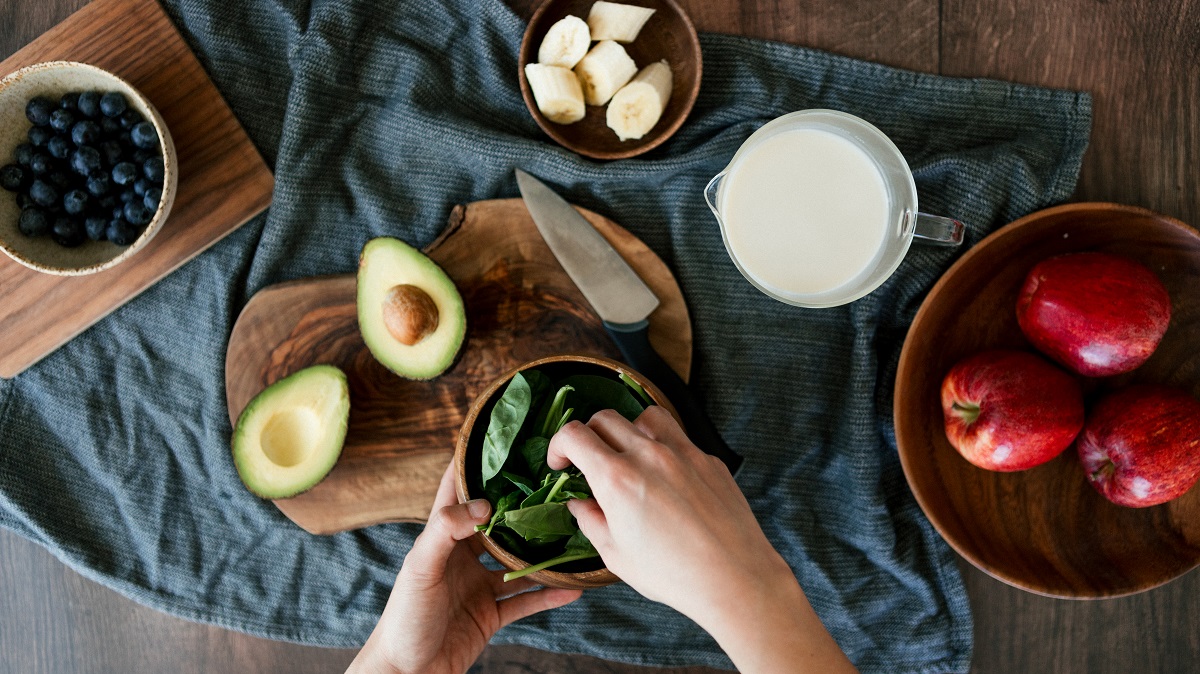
pixel 934 229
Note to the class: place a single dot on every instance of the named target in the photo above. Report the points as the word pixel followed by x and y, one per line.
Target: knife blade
pixel 622 300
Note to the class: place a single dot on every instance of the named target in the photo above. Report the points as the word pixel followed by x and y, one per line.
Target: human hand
pixel 670 521
pixel 446 605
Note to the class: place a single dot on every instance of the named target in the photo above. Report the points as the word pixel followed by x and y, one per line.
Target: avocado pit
pixel 409 313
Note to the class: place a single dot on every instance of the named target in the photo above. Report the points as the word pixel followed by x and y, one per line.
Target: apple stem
pixel 1105 470
pixel 968 412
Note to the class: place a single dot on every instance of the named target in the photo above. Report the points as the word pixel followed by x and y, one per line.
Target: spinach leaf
pixel 538 496
pixel 637 388
pixel 538 384
pixel 594 393
pixel 506 503
pixel 541 523
pixel 519 481
pixel 550 423
pixel 534 450
pixel 578 547
pixel 507 417
pixel 558 485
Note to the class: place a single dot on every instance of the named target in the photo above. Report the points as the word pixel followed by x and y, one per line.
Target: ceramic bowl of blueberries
pixel 87 167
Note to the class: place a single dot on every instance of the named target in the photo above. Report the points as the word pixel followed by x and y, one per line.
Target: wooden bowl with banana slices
pixel 609 80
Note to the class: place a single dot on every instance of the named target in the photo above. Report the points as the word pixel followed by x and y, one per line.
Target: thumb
pixel 592 522
pixel 448 525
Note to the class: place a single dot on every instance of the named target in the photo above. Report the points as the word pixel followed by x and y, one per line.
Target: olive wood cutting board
pixel 520 305
pixel 223 181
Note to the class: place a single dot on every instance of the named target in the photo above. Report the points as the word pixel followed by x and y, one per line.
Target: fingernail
pixel 478 508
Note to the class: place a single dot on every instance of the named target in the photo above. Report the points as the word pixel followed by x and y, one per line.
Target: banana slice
pixel 614 21
pixel 635 109
pixel 556 91
pixel 604 70
pixel 565 43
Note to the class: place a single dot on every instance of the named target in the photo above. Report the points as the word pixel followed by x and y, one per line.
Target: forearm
pixel 769 627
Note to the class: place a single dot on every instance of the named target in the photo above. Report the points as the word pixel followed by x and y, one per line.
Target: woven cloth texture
pixel 377 118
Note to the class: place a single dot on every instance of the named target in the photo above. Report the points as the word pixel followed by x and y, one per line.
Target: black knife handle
pixel 634 343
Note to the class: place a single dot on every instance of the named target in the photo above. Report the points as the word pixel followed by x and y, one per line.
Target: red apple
pixel 1096 313
pixel 1010 410
pixel 1141 445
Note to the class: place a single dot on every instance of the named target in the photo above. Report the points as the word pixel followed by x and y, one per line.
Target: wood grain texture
pixel 1046 529
pixel 222 179
pixel 521 305
pixel 669 34
pixel 51 620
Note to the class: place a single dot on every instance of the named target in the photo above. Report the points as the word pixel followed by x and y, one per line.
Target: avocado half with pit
pixel 290 435
pixel 409 312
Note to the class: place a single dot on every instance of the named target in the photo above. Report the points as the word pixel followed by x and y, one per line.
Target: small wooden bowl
pixel 669 34
pixel 1046 530
pixel 585 574
pixel 53 79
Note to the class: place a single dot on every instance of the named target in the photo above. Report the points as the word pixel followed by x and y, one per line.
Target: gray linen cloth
pixel 380 116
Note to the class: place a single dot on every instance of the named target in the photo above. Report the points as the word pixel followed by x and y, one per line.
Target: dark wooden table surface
pixel 1138 58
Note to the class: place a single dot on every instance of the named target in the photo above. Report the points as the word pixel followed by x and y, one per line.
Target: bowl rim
pixel 170 170
pixel 905 363
pixel 634 150
pixel 550 578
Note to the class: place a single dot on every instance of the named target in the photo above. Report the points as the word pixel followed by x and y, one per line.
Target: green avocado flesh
pixel 409 311
pixel 290 435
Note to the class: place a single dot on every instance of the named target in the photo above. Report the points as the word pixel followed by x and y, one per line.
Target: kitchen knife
pixel 622 301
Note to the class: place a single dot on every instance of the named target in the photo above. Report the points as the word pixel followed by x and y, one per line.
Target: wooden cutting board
pixel 223 181
pixel 521 305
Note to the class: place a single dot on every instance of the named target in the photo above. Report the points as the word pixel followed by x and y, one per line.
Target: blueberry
pixel 69 101
pixel 108 201
pixel 113 104
pixel 110 125
pixel 121 232
pixel 89 103
pixel 124 173
pixel 43 193
pixel 85 160
pixel 12 177
pixel 23 154
pixel 110 152
pixel 142 156
pixel 95 228
pixel 40 164
pixel 140 186
pixel 60 180
pixel 59 147
pixel 144 136
pixel 118 211
pixel 127 196
pixel 40 135
pixel 38 110
pixel 62 120
pixel 152 197
pixel 130 119
pixel 33 222
pixel 98 184
pixel 137 213
pixel 85 132
pixel 154 170
pixel 23 201
pixel 67 232
pixel 75 202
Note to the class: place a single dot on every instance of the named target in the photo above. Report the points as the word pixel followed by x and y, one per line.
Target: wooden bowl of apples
pixel 1091 447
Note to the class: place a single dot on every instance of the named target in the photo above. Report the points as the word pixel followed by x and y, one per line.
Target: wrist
pixel 767 625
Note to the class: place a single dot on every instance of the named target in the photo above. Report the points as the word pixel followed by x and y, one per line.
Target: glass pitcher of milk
pixel 818 208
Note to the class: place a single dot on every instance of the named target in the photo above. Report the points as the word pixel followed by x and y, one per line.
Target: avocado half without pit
pixel 290 435
pixel 409 311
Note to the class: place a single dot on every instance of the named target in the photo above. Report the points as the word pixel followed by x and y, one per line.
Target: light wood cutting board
pixel 223 181
pixel 521 305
